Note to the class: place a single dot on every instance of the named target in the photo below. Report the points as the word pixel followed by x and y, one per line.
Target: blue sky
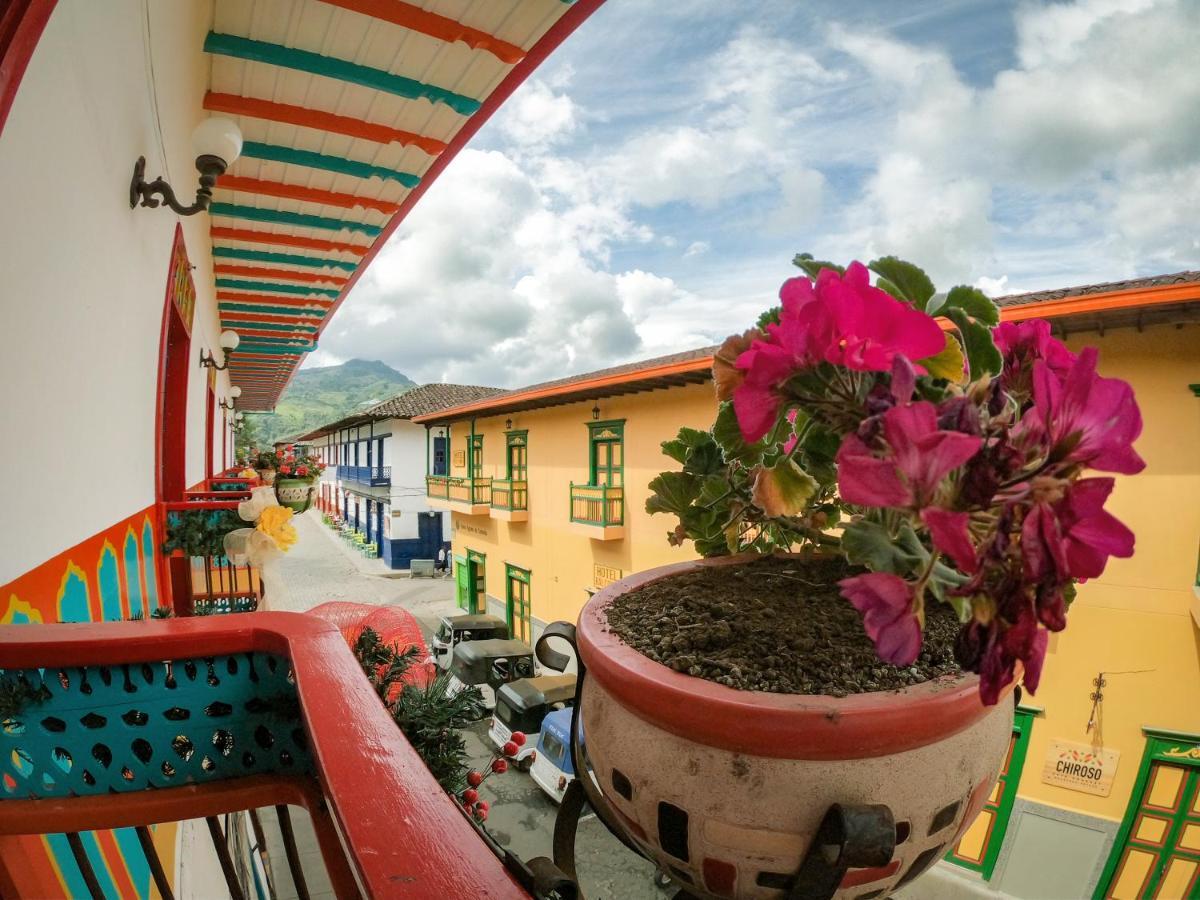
pixel 644 192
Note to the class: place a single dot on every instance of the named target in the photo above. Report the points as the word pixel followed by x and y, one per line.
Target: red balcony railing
pixel 316 734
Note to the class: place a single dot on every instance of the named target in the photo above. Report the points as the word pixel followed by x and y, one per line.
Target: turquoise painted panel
pixel 329 67
pixel 293 259
pixel 109 580
pixel 298 343
pixel 133 584
pixel 95 855
pixel 73 601
pixel 76 886
pixel 149 555
pixel 135 860
pixel 299 311
pixel 269 326
pixel 260 350
pixel 327 163
pixel 254 214
pixel 243 285
pixel 130 727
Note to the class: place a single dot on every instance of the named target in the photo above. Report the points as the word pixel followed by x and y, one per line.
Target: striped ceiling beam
pixel 263 327
pixel 327 163
pixel 307 194
pixel 276 337
pixel 232 104
pixel 286 240
pixel 258 349
pixel 241 285
pixel 315 304
pixel 256 312
pixel 289 259
pixel 338 69
pixel 281 274
pixel 253 213
pixel 254 320
pixel 441 27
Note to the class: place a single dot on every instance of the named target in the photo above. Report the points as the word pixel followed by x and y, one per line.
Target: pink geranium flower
pixel 951 536
pixel 1086 418
pixel 1074 537
pixel 1022 344
pixel 886 604
pixel 919 457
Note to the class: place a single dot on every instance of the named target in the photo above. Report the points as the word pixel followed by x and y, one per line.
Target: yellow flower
pixel 274 524
pixel 247 473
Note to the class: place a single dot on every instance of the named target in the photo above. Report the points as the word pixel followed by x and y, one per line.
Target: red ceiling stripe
pixel 282 335
pixel 319 305
pixel 278 274
pixel 440 27
pixel 323 121
pixel 297 192
pixel 288 240
pixel 281 319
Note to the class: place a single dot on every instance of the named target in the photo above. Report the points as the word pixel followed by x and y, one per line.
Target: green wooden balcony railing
pixel 597 504
pixel 510 494
pixel 475 491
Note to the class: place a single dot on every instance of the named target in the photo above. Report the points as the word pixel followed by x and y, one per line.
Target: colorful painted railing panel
pixel 473 491
pixel 597 504
pixel 372 476
pixel 510 494
pixel 95 730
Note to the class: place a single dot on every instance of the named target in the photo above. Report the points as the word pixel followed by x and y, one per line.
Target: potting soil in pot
pixel 775 624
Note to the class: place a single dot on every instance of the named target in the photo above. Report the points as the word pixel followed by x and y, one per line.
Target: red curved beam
pixel 21 26
pixel 403 834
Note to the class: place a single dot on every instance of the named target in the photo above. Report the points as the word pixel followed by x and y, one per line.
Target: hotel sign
pixel 603 576
pixel 1080 767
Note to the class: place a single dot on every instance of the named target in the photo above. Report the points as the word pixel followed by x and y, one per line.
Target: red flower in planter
pixel 951 535
pixel 1022 344
pixel 302 471
pixel 887 606
pixel 1086 418
pixel 918 456
pixel 1074 537
pixel 285 469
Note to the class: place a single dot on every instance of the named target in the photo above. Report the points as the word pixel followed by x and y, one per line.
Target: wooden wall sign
pixel 602 576
pixel 1080 767
pixel 460 459
pixel 183 290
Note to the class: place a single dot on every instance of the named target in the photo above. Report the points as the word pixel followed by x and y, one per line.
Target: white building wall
pixel 83 277
pixel 404 451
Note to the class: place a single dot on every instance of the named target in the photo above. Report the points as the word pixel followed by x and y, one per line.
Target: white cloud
pixel 696 248
pixel 993 287
pixel 539 114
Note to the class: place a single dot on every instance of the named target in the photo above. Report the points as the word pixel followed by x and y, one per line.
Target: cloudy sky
pixel 645 191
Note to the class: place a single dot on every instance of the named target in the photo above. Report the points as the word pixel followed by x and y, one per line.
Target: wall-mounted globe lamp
pixel 229 340
pixel 234 393
pixel 217 142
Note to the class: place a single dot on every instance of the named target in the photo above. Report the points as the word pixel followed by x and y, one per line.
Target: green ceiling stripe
pixel 269 326
pixel 273 350
pixel 236 211
pixel 292 259
pixel 328 66
pixel 242 285
pixel 328 163
pixel 273 310
pixel 261 341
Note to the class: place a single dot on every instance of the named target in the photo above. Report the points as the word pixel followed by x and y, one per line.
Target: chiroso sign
pixel 1080 767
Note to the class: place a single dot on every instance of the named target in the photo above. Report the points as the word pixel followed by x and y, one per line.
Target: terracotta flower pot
pixel 296 493
pixel 725 789
pixel 266 476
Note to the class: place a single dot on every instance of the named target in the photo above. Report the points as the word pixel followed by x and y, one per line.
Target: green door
pixel 606 463
pixel 462 582
pixel 516 462
pixel 477 579
pixel 475 444
pixel 519 616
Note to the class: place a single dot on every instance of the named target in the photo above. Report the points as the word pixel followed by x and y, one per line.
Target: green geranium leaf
pixel 869 544
pixel 974 302
pixel 672 492
pixel 982 355
pixel 948 364
pixel 728 435
pixel 770 317
pixel 784 489
pixel 906 281
pixel 812 267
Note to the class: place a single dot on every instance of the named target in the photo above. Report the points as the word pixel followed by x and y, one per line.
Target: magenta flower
pixel 1023 641
pixel 756 400
pixel 1075 537
pixel 1087 419
pixel 951 536
pixel 1022 344
pixel 920 456
pixel 886 604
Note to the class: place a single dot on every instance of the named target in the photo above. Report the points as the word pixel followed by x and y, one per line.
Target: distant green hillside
pixel 321 395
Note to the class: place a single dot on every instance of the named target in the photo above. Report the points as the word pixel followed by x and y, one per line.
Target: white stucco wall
pixel 404 451
pixel 83 277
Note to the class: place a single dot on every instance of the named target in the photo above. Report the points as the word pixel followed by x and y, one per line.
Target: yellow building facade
pixel 1120 694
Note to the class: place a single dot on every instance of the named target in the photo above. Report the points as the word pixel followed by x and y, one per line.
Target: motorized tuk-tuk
pixel 454 629
pixel 552 768
pixel 490 664
pixel 522 705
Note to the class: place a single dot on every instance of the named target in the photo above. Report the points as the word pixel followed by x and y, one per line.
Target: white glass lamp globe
pixel 239 416
pixel 219 137
pixel 229 340
pixel 235 391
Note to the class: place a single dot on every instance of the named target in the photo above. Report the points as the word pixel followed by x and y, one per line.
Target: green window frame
pixel 1159 837
pixel 516 455
pixel 476 582
pixel 997 809
pixel 606 453
pixel 518 602
pixel 475 455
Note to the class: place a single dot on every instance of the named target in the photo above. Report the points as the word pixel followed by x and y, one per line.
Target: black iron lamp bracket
pixel 210 168
pixel 207 360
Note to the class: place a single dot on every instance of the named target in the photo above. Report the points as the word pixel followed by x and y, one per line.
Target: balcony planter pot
pixel 724 789
pixel 296 493
pixel 266 476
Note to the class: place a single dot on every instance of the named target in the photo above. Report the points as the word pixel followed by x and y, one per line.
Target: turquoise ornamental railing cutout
pixel 102 729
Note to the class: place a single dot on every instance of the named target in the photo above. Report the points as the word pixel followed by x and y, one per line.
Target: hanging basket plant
pixel 893 504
